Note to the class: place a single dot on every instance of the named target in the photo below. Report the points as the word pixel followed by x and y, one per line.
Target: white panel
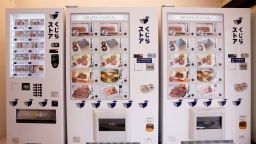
pixel 142 85
pixel 236 75
pixel 36 95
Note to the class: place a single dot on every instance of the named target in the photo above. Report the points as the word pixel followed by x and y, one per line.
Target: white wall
pixel 3 4
pixel 113 3
pixel 253 10
pixel 81 3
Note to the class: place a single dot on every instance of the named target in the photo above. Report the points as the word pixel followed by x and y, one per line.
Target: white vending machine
pixel 35 76
pixel 206 76
pixel 112 75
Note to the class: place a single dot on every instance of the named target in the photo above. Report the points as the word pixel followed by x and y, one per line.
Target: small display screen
pixel 111 124
pixel 36 116
pixel 209 123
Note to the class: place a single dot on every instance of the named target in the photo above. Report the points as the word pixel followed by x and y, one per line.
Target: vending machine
pixel 206 76
pixel 35 76
pixel 112 75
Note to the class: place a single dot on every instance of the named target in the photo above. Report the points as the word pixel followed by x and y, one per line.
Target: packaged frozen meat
pixel 178 59
pixel 205 90
pixel 177 29
pixel 109 29
pixel 206 59
pixel 36 22
pixel 178 44
pixel 21 22
pixel 81 30
pixel 203 29
pixel 110 60
pixel 21 68
pixel 82 92
pixel 22 34
pixel 22 45
pixel 36 57
pixel 83 44
pixel 179 75
pixel 81 76
pixel 178 91
pixel 36 34
pixel 205 44
pixel 21 57
pixel 37 44
pixel 110 90
pixel 112 43
pixel 81 60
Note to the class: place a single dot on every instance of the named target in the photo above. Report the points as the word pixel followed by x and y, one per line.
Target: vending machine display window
pixel 100 56
pixel 27 45
pixel 195 56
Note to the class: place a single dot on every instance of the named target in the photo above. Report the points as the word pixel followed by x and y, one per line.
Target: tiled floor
pixel 3 141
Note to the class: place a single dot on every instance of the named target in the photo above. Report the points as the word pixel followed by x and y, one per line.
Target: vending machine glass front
pixel 99 56
pixel 27 45
pixel 195 56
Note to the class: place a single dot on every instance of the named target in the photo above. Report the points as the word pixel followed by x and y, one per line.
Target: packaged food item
pixel 243 122
pixel 21 68
pixel 81 76
pixel 150 66
pixel 110 75
pixel 21 22
pixel 180 44
pixel 241 87
pixel 206 60
pixel 205 74
pixel 243 66
pixel 36 69
pixel 112 43
pixel 146 88
pixel 81 29
pixel 37 57
pixel 149 127
pixel 36 22
pixel 205 90
pixel 205 44
pixel 110 91
pixel 178 91
pixel 179 75
pixel 37 44
pixel 109 29
pixel 82 60
pixel 82 92
pixel 112 60
pixel 178 59
pixel 204 29
pixel 83 44
pixel 177 29
pixel 21 57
